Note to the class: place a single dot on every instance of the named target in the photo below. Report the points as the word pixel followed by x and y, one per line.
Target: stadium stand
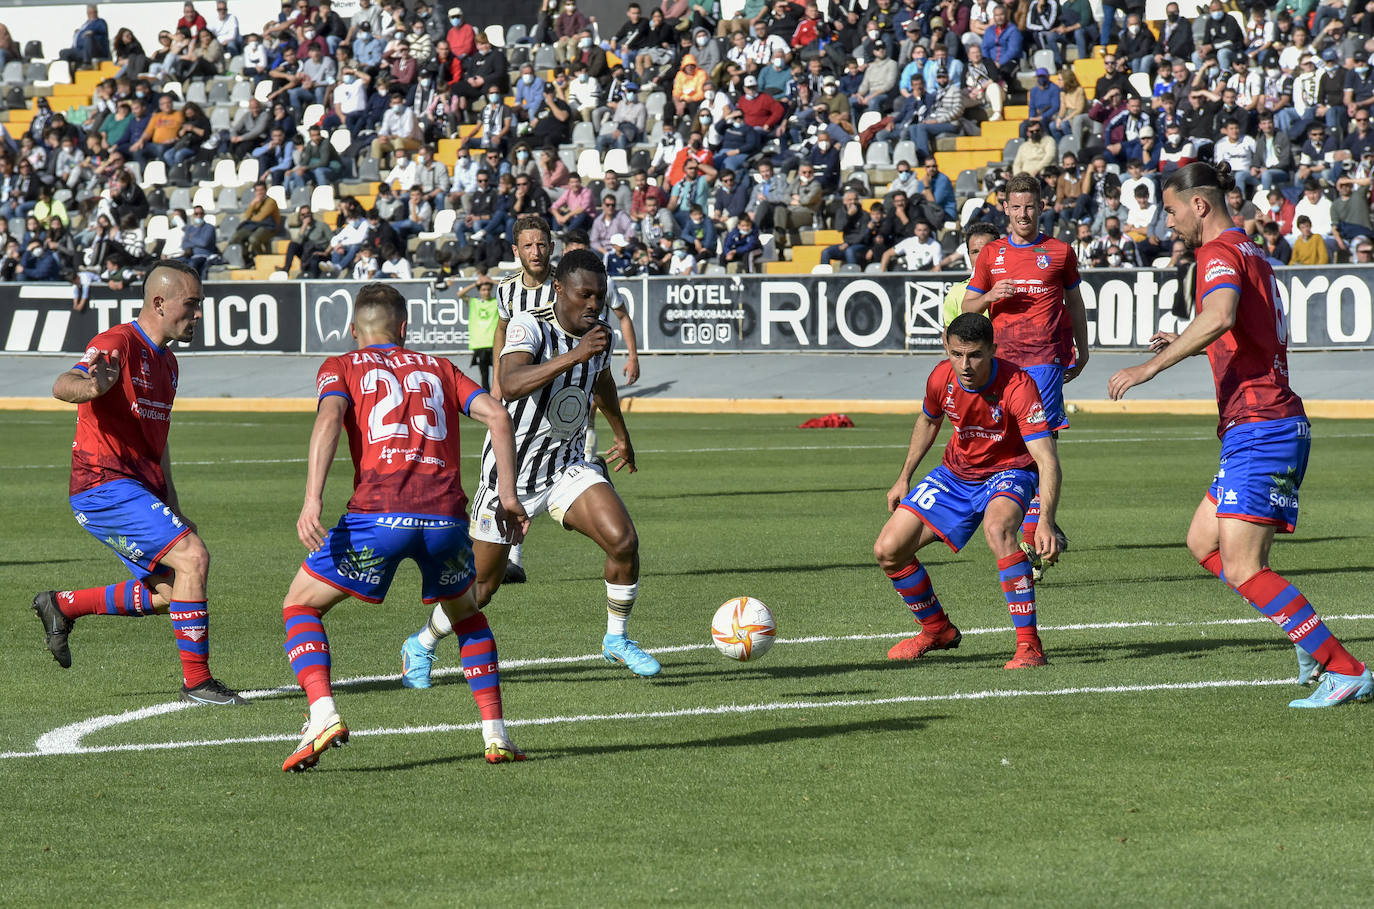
pixel 407 126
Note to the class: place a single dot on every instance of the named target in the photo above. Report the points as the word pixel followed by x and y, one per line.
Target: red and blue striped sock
pixel 1287 608
pixel 481 667
pixel 129 598
pixel 1018 586
pixel 912 584
pixel 307 649
pixel 1031 520
pixel 191 628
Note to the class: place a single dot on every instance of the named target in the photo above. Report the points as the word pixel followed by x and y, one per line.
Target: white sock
pixel 590 451
pixel 620 599
pixel 494 731
pixel 321 710
pixel 516 555
pixel 438 627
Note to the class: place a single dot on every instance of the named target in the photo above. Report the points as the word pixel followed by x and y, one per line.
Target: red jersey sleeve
pixel 331 379
pixel 980 282
pixel 1071 276
pixel 1218 266
pixel 467 389
pixel 932 406
pixel 1025 407
pixel 108 341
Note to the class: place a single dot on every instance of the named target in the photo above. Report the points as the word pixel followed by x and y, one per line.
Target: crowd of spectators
pixel 730 129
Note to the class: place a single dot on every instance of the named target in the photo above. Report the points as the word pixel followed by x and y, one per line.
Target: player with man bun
pixel 1265 436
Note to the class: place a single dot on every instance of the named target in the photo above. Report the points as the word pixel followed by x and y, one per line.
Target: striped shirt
pixel 550 422
pixel 514 297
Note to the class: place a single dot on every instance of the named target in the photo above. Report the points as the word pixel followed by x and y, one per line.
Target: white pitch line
pixel 472 456
pixel 719 710
pixel 67 739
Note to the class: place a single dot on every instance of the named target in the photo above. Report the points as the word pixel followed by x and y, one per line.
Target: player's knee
pixel 623 544
pixel 888 554
pixel 192 558
pixel 1201 545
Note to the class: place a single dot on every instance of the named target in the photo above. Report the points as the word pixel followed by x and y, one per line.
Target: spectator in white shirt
pixel 1237 151
pixel 399 129
pixel 225 28
pixel 395 265
pixel 920 252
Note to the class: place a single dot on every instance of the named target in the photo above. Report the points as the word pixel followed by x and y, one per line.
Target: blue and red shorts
pixel 953 507
pixel 129 518
pixel 1049 379
pixel 1262 466
pixel 361 554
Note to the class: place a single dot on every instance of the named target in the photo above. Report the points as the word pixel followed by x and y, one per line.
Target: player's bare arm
pixel 922 437
pixel 1209 324
pixel 1078 320
pixel 1046 453
pixel 607 398
pixel 498 344
pixel 324 442
pixel 77 387
pixel 487 410
pixel 523 376
pixel 627 331
pixel 981 302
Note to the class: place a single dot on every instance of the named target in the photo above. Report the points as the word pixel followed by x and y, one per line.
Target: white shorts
pixel 569 485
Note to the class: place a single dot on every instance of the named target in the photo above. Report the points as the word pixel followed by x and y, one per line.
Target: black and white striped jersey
pixel 514 297
pixel 550 422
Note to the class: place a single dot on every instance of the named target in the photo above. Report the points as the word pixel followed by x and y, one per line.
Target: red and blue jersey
pixel 402 425
pixel 1032 326
pixel 1250 361
pixel 992 424
pixel 123 433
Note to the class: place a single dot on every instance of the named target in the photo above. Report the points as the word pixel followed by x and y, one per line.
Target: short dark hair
pixel 1023 183
pixel 981 229
pixel 530 222
pixel 578 260
pixel 1201 178
pixel 972 327
pixel 577 238
pixel 381 296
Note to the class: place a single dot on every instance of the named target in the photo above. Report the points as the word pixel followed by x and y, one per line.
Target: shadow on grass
pixel 759 737
pixel 726 570
pixel 27 562
pixel 1200 575
pixel 1180 544
pixel 792 491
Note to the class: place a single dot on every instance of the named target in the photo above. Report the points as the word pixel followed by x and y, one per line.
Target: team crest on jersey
pixel 1042 259
pixel 996 414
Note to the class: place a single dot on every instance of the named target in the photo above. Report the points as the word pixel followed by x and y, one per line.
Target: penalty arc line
pixel 720 710
pixel 67 739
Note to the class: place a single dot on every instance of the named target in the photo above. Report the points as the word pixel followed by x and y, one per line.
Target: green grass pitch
pixel 1121 775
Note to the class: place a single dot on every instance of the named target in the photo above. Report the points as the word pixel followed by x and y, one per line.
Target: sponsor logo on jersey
pixel 517 334
pixel 1230 498
pixel 361 565
pixel 1036 415
pixel 1217 270
pixel 325 381
pixel 400 520
pixel 125 547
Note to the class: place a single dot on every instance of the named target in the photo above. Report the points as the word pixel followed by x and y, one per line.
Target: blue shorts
pixel 1049 380
pixel 126 516
pixel 953 508
pixel 1262 466
pixel 361 554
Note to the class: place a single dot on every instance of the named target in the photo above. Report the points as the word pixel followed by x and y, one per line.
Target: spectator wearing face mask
pixel 461 36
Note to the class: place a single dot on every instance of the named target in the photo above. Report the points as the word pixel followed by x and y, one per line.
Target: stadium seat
pixel 278 194
pixel 14 72
pixel 589 162
pixel 970 206
pixel 59 72
pixel 822 269
pixel 869 118
pixel 496 34
pixel 157 228
pixel 171 241
pixel 425 255
pixel 1009 150
pixel 314 113
pixel 1043 58
pixel 221 119
pixel 879 155
pixel 849 269
pixel 1160 262
pixel 715 268
pixel 584 135
pixel 154 174
pixel 205 198
pixel 1069 142
pixel 852 156
pixel 262 90
pixel 33 50
pixel 616 160
pixel 233 256
pixel 1141 83
pixel 196 93
pixel 967 183
pixel 369 171
pixel 219 93
pixel 656 104
pixel 279 276
pixel 241 93
pixel 443 222
pixel 226 173
pixel 322 199
pixel 228 199
pixel 905 150
pixel 298 197
pixel 248 172
pixel 516 33
pixel 172 88
pixel 544 58
pixel 873 268
pixel 341 139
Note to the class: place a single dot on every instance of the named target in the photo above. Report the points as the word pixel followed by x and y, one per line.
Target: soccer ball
pixel 743 629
